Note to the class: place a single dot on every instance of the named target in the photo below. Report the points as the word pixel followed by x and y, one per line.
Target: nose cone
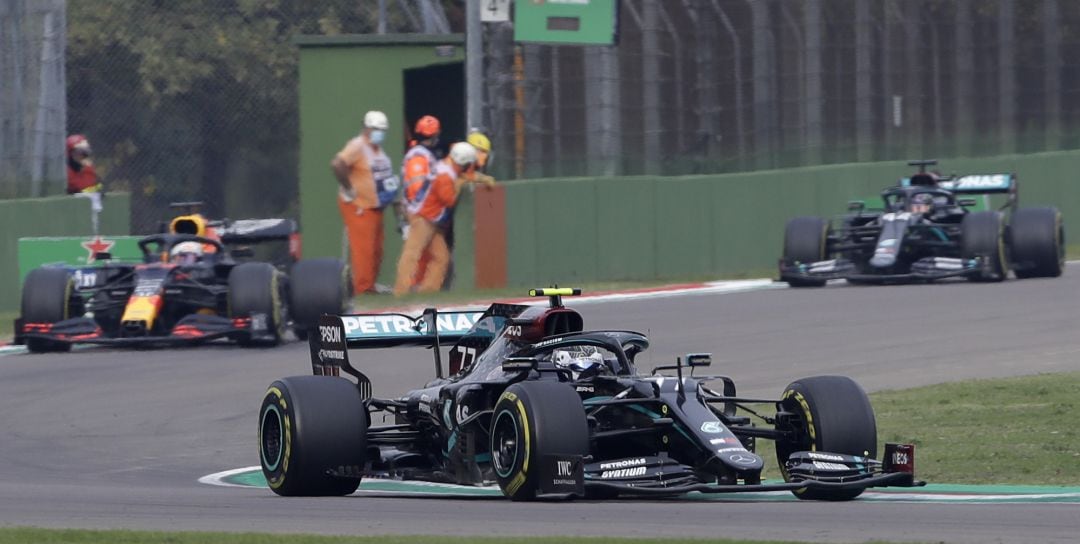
pixel 885 253
pixel 742 461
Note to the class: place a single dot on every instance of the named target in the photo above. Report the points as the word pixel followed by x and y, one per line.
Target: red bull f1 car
pixel 191 285
pixel 541 407
pixel 926 230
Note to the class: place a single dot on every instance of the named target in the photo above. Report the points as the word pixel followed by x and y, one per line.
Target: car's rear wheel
pixel 47 297
pixel 259 291
pixel 309 425
pixel 983 236
pixel 533 419
pixel 1037 243
pixel 805 241
pixel 317 286
pixel 833 415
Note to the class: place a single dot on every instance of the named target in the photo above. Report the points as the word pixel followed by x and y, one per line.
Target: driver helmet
pixel 921 203
pixel 581 361
pixel 186 253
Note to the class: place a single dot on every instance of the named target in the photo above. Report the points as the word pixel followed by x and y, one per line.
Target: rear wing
pixel 251 231
pixel 335 335
pixel 980 184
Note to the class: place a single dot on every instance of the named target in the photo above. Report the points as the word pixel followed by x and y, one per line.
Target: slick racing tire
pixel 1037 243
pixel 805 241
pixel 258 288
pixel 835 416
pixel 533 419
pixel 309 425
pixel 982 234
pixel 47 297
pixel 317 286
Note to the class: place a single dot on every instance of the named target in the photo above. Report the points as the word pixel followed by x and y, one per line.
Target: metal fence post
pixel 864 76
pixel 964 81
pixel 1052 73
pixel 474 64
pixel 815 103
pixel 1006 76
pixel 602 99
pixel 913 94
pixel 765 113
pixel 650 83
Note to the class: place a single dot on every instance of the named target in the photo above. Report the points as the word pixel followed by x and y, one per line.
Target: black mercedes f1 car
pixel 218 293
pixel 926 231
pixel 542 407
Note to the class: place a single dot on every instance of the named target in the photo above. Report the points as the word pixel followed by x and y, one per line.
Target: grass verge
pixel 1005 431
pixel 1008 431
pixel 7 326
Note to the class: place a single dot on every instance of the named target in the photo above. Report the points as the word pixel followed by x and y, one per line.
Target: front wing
pixel 191 329
pixel 925 269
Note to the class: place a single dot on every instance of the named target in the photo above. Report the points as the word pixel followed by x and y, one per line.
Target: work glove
pixel 484 179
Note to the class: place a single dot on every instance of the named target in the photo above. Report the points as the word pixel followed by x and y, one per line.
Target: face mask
pixel 377 136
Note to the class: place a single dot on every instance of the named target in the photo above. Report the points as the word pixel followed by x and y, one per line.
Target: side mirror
pixel 518 364
pixel 967 202
pixel 856 205
pixel 698 359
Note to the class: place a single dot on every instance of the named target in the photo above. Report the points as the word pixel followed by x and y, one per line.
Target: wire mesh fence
pixel 698 86
pixel 197 100
pixel 32 107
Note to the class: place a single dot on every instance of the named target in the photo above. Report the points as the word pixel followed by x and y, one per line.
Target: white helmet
pixel 376 120
pixel 186 253
pixel 463 153
pixel 579 360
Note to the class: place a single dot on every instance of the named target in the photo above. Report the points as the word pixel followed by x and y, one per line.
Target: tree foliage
pixel 196 99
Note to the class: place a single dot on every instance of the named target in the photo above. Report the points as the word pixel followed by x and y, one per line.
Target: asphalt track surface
pixel 117 439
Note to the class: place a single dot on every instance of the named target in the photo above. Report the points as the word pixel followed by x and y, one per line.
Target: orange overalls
pixel 429 207
pixel 418 166
pixel 372 178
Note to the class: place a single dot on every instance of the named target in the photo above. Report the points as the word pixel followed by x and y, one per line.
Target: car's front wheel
pixel 531 420
pixel 983 237
pixel 47 297
pixel 832 414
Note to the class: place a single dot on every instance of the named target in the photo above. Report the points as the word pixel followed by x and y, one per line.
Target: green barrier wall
pixel 644 228
pixel 53 216
pixel 341 77
pixel 74 251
